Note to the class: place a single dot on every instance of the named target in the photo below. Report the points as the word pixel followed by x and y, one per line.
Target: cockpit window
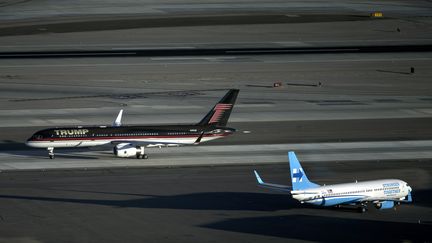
pixel 37 136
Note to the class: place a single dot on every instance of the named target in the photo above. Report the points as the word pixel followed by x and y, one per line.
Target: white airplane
pixel 384 194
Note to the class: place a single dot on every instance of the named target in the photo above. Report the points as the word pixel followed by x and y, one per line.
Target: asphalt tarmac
pixel 204 204
pixel 348 115
pixel 214 203
pixel 13 138
pixel 119 23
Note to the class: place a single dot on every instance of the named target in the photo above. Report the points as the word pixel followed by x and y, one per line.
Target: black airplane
pixel 130 141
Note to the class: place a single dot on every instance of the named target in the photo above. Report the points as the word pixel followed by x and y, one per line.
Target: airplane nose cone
pixel 29 143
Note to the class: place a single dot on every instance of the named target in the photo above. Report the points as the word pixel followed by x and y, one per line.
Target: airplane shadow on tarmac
pixel 58 154
pixel 297 226
pixel 21 149
pixel 326 229
pixel 249 201
pixel 195 201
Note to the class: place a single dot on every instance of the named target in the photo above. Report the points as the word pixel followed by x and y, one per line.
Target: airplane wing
pixel 276 187
pixel 407 199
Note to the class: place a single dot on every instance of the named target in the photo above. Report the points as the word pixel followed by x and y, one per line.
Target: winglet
pixel 117 121
pixel 258 178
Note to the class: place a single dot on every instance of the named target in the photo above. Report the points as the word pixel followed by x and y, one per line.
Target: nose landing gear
pixel 50 152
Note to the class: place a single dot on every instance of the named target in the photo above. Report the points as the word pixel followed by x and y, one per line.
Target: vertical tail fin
pixel 298 176
pixel 220 113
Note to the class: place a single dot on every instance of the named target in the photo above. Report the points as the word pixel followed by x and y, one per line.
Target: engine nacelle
pixel 385 205
pixel 125 150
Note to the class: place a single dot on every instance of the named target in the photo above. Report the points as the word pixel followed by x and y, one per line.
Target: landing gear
pixel 50 152
pixel 142 156
pixel 140 153
pixel 363 208
pixel 396 205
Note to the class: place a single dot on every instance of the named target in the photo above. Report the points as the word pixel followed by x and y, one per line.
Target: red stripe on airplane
pixel 130 137
pixel 223 106
pixel 216 116
pixel 219 111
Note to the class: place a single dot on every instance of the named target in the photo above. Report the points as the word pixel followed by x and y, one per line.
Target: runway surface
pixel 217 155
pixel 367 99
pixel 349 116
pixel 204 204
pixel 102 25
pixel 275 132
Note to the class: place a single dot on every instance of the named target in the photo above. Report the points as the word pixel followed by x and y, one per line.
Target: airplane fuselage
pixel 131 141
pixel 384 193
pixel 160 135
pixel 347 193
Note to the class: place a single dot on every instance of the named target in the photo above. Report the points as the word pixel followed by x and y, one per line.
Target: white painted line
pixel 168 107
pixel 358 59
pixel 63 121
pixel 253 105
pixel 153 48
pixel 192 58
pixel 194 160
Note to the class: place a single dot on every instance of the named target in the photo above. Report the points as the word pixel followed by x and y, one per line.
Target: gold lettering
pixel 71 132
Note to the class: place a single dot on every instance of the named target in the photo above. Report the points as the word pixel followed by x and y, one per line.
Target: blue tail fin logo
pixel 298 176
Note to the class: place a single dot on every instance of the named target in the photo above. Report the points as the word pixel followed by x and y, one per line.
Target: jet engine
pixel 385 205
pixel 125 150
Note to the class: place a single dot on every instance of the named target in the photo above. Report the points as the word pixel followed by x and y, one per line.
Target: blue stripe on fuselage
pixel 335 200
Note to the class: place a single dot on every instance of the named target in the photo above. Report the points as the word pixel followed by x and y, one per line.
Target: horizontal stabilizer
pixel 198 141
pixel 276 187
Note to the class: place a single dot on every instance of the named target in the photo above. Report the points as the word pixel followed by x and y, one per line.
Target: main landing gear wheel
pixel 50 153
pixel 142 156
pixel 363 209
